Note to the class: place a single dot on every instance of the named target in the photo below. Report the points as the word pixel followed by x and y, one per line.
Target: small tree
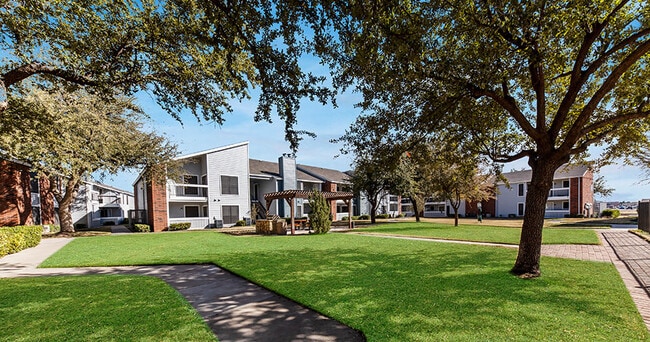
pixel 319 217
pixel 70 136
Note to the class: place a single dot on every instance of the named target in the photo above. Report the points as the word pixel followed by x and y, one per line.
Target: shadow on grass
pixel 453 293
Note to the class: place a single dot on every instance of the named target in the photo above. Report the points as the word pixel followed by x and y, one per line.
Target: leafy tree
pixel 69 136
pixel 601 188
pixel 319 217
pixel 195 55
pixel 371 178
pixel 542 80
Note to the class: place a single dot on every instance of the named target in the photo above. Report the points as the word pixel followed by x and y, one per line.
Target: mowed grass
pixel 400 290
pixel 483 233
pixel 96 308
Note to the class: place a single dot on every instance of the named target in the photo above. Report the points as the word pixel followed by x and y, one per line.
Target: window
pixel 192 211
pixel 191 179
pixel 393 198
pixel 565 184
pixel 110 212
pixel 33 182
pixel 520 209
pixel 565 205
pixel 229 186
pixel 230 214
pixel 393 207
pixel 521 190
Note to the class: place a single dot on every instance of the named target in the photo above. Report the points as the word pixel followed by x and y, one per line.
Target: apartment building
pixel 98 204
pixel 220 186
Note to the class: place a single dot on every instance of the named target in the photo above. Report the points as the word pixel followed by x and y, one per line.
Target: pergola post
pixel 293 219
pixel 348 202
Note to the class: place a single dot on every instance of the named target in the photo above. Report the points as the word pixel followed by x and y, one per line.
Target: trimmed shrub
pixel 364 217
pixel 613 213
pixel 15 239
pixel 240 223
pixel 319 217
pixel 180 226
pixel 382 216
pixel 345 218
pixel 141 228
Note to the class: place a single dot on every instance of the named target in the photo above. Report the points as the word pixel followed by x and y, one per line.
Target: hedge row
pixel 15 239
pixel 180 226
pixel 141 228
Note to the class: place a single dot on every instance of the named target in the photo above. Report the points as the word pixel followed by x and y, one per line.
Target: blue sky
pixel 267 141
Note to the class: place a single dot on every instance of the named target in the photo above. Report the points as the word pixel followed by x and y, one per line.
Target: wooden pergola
pixel 291 195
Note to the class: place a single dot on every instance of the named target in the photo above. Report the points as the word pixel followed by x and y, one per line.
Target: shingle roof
pixel 566 171
pixel 261 167
pixel 324 174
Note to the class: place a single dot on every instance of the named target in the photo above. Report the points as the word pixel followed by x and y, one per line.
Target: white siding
pixel 228 162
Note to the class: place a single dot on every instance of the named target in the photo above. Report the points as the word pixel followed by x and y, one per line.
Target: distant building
pixel 572 189
pixel 98 204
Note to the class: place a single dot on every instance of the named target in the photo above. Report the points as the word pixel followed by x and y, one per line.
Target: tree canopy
pixel 542 80
pixel 69 136
pixel 195 55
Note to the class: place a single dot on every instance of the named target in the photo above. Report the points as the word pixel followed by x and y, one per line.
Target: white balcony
pixel 558 194
pixel 195 193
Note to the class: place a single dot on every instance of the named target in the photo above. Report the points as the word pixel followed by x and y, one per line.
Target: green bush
pixel 400 215
pixel 180 226
pixel 141 228
pixel 240 223
pixel 344 218
pixel 319 217
pixel 382 216
pixel 15 239
pixel 613 213
pixel 364 217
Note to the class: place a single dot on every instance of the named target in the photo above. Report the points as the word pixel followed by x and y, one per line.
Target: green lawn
pixel 99 308
pixel 483 233
pixel 399 290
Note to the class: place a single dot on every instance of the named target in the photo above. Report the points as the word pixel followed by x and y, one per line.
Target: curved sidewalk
pixel 235 309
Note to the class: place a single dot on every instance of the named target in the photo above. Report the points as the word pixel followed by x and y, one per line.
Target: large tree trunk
pixel 416 210
pixel 373 212
pixel 65 196
pixel 530 243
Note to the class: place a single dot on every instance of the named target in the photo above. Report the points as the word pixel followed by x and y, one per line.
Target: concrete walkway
pixel 235 309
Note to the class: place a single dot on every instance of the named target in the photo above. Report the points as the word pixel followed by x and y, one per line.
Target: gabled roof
pixel 108 187
pixel 324 174
pixel 266 168
pixel 217 149
pixel 566 171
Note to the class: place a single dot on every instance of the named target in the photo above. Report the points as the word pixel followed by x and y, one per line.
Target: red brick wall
pixel 489 207
pixel 586 187
pixel 581 192
pixel 157 206
pixel 15 196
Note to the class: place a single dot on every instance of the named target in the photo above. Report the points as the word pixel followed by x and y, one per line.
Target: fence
pixel 644 215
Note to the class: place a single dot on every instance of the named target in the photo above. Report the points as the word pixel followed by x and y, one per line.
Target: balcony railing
pixel 558 193
pixel 196 222
pixel 188 192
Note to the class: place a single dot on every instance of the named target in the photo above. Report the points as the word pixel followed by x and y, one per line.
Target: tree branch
pixel 575 131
